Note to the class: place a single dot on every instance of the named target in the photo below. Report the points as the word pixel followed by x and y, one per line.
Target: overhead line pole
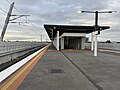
pixel 6 21
pixel 25 17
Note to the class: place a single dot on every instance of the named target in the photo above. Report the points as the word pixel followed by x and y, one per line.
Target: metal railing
pixel 112 46
pixel 14 46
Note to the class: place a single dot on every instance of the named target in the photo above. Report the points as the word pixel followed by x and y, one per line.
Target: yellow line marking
pixel 13 79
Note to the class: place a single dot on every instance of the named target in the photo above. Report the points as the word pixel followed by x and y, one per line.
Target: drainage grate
pixel 56 71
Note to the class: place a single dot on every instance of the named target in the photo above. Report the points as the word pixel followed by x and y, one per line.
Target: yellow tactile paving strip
pixel 13 82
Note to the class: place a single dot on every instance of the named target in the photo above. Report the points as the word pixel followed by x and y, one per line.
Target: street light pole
pixel 96 28
pixel 96 20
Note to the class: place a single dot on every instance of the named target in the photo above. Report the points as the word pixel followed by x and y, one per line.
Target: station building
pixel 70 36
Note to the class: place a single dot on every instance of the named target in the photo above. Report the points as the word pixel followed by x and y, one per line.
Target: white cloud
pixel 61 12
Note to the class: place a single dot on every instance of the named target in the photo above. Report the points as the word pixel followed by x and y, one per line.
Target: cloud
pixel 62 12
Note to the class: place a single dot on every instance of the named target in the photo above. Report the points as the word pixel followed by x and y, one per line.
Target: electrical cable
pixel 25 18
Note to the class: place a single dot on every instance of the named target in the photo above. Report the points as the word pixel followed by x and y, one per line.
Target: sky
pixel 59 12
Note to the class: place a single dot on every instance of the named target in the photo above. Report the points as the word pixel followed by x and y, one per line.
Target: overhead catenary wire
pixel 36 28
pixel 30 28
pixel 25 17
pixel 3 10
pixel 8 1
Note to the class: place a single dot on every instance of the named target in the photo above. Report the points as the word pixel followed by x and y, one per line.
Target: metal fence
pixel 112 46
pixel 14 46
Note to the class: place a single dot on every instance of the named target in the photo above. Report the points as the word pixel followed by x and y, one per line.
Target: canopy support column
pixel 92 41
pixel 95 48
pixel 57 40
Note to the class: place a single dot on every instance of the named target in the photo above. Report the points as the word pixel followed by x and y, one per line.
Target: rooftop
pixel 52 29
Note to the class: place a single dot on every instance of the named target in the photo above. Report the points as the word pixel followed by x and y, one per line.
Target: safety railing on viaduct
pixel 111 46
pixel 14 46
pixel 15 51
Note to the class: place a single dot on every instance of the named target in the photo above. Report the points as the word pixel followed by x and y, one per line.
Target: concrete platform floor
pixel 104 70
pixel 74 70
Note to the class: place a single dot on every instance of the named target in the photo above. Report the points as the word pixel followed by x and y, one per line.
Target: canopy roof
pixel 52 29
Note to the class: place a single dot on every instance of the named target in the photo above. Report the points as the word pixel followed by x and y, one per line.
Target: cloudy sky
pixel 59 12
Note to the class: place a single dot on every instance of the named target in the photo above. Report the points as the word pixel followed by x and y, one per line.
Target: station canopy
pixel 52 29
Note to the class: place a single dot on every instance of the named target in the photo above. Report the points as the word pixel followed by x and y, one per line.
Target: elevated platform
pixel 73 70
pixel 55 72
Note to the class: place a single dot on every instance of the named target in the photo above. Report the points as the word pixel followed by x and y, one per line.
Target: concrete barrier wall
pixel 12 46
pixel 12 50
pixel 11 56
pixel 112 46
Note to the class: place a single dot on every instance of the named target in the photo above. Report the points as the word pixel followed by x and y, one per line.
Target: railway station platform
pixel 55 72
pixel 73 70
